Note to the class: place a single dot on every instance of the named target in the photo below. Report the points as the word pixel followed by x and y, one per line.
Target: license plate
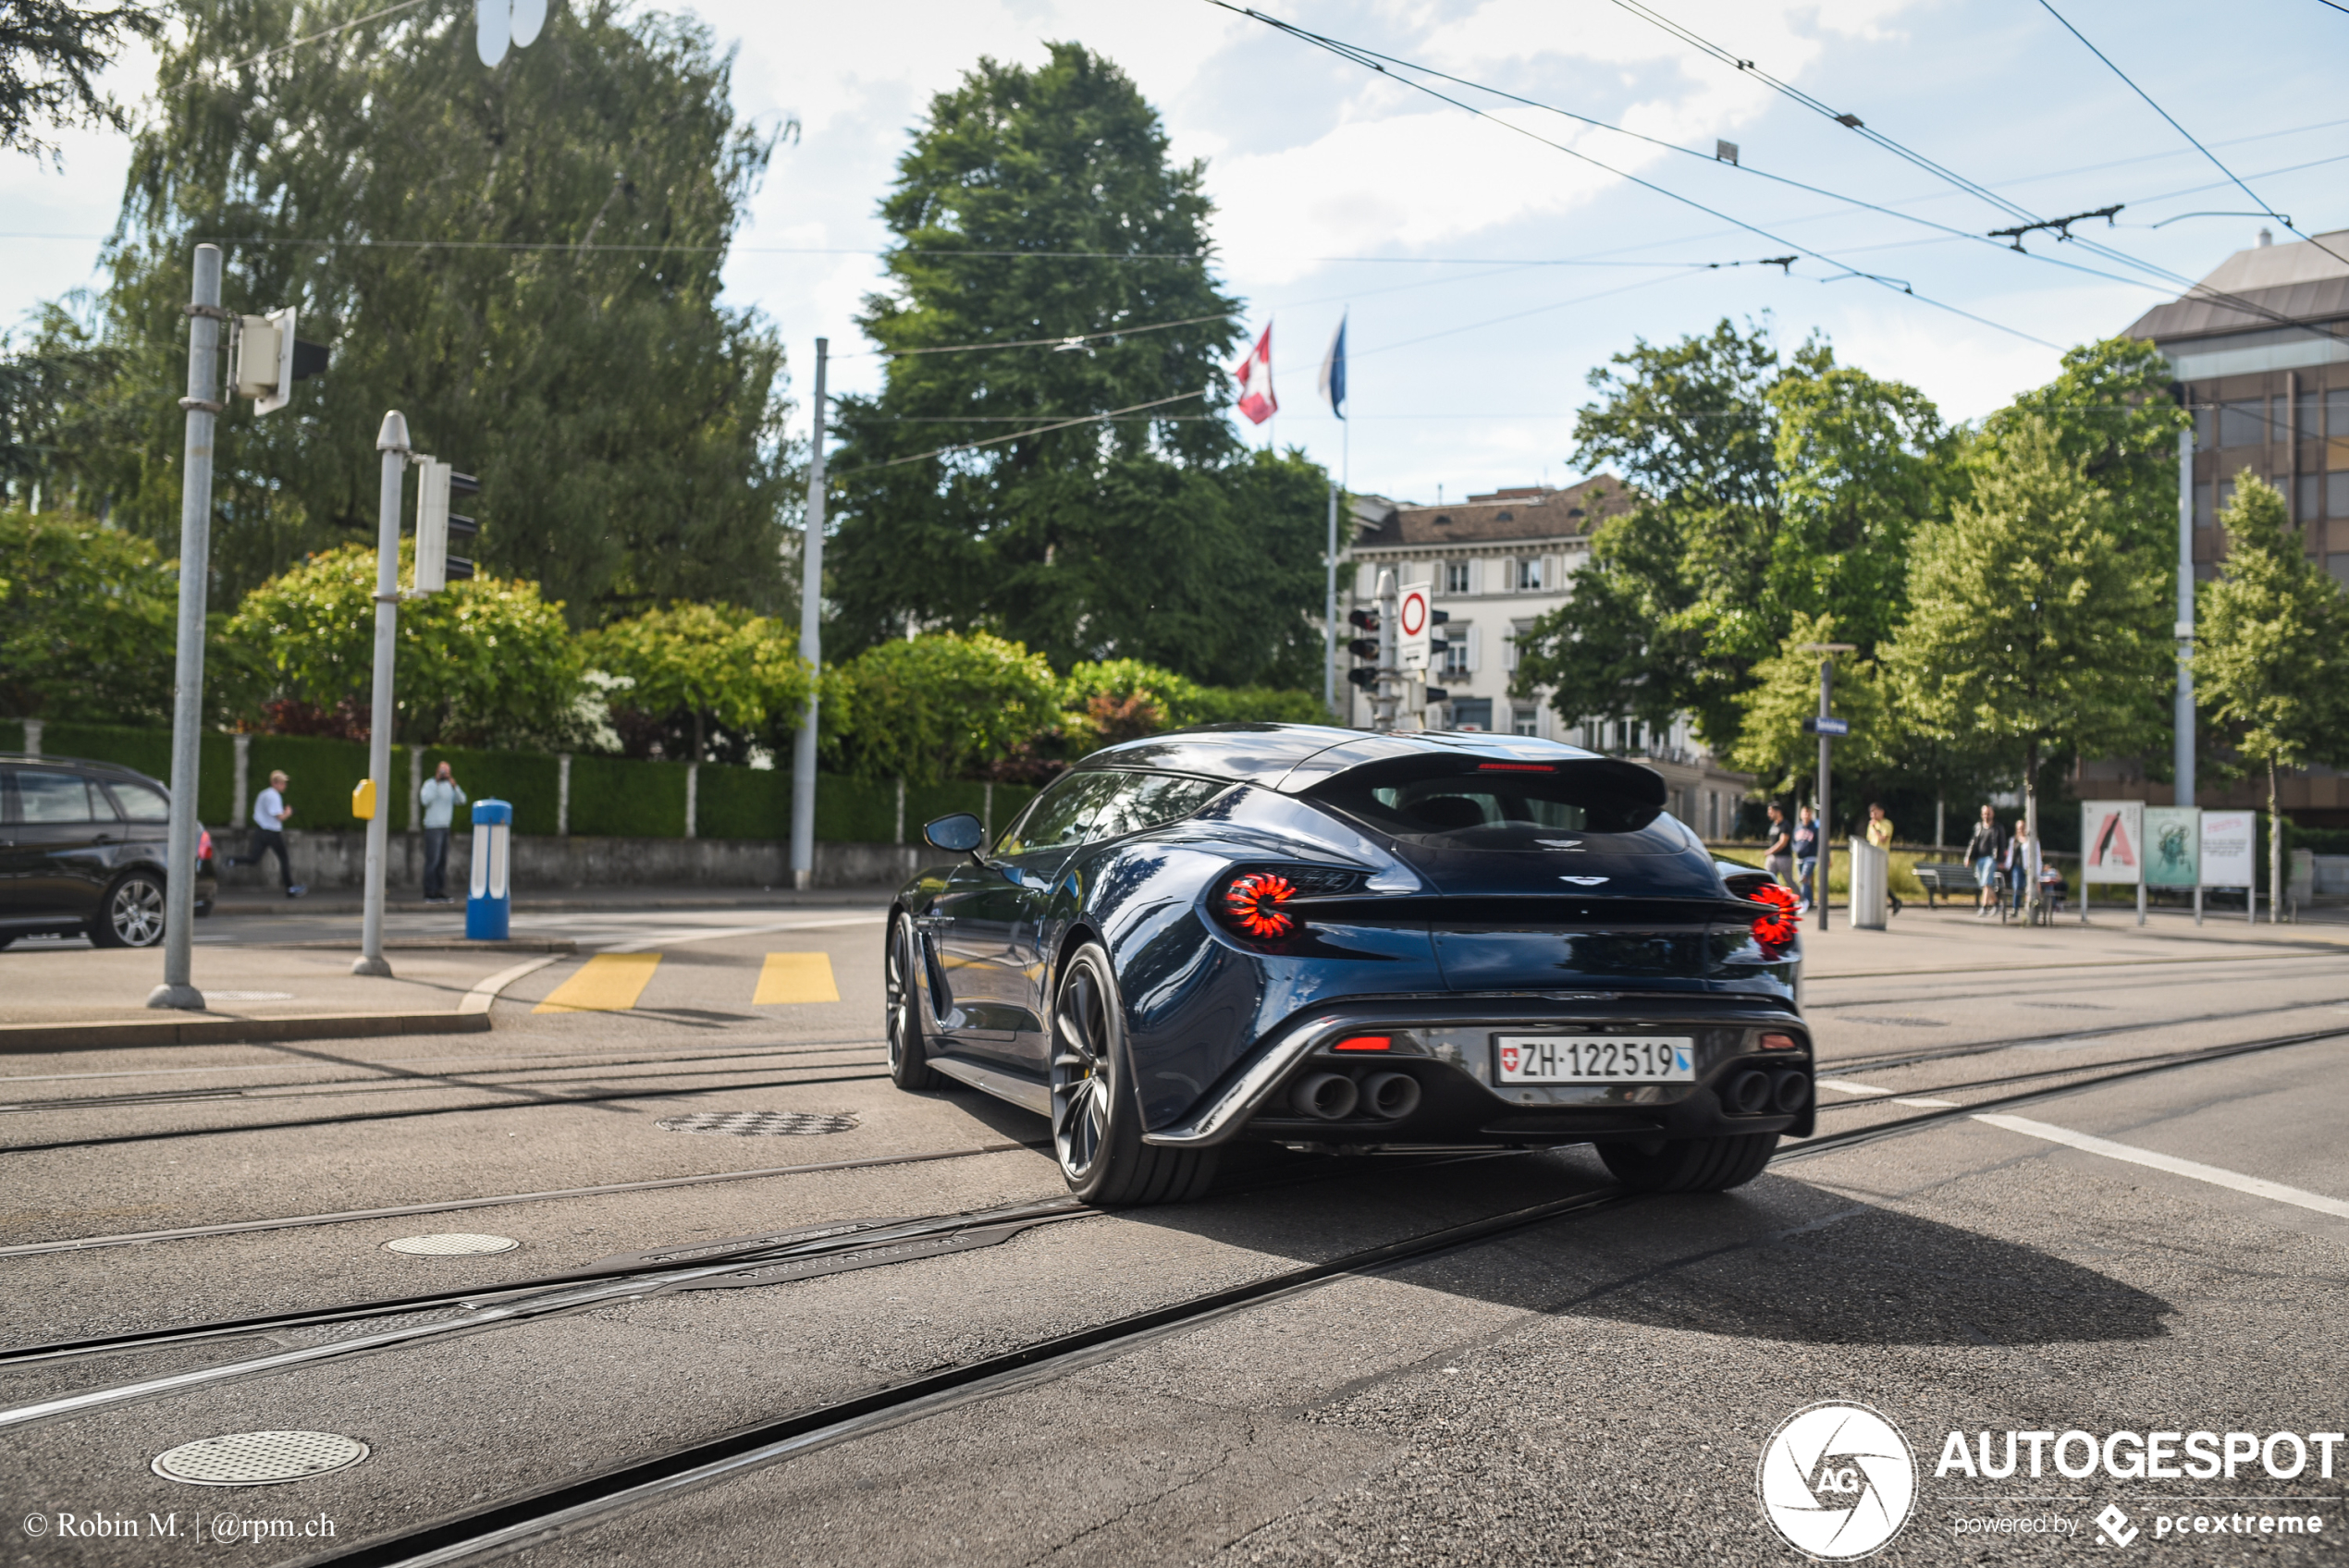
pixel 1596 1058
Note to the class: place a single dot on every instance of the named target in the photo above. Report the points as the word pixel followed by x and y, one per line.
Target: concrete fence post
pixel 32 737
pixel 900 810
pixel 241 790
pixel 416 789
pixel 562 795
pixel 693 789
pixel 986 809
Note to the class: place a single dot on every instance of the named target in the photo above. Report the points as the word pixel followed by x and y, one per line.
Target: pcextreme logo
pixel 1838 1481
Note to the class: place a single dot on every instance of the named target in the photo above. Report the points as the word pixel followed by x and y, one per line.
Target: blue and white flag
pixel 1333 371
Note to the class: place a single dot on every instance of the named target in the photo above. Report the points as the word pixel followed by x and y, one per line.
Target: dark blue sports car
pixel 1329 939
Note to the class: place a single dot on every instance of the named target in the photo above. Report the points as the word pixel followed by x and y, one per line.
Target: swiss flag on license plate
pixel 1509 1058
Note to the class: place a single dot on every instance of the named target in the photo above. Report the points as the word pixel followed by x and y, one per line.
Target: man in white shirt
pixel 269 813
pixel 440 797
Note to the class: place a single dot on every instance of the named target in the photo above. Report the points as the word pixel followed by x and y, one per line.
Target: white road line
pixel 480 996
pixel 1845 1086
pixel 1928 1105
pixel 2275 1192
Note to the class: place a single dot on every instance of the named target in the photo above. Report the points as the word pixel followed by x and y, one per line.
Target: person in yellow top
pixel 1880 835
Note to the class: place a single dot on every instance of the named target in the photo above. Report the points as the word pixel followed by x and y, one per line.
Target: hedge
pixel 610 797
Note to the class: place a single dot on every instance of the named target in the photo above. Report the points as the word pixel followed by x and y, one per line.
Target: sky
pixel 1486 272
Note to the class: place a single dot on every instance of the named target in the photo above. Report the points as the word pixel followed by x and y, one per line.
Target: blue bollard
pixel 489 903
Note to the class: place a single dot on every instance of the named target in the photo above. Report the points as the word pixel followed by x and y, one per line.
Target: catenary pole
pixel 202 404
pixel 2182 759
pixel 811 646
pixel 1826 867
pixel 391 440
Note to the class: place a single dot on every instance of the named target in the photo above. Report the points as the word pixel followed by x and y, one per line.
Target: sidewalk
pixel 1922 941
pixel 82 998
pixel 239 901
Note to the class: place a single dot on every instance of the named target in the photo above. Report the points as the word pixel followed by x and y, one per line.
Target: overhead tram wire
pixel 1348 52
pixel 1015 435
pixel 2182 131
pixel 1974 188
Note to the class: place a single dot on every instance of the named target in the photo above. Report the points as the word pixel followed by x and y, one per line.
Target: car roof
pixel 49 759
pixel 1293 758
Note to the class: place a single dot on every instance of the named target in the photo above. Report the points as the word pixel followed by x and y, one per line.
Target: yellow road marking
pixel 796 977
pixel 607 983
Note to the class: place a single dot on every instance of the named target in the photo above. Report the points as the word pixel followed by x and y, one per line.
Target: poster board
pixel 2227 849
pixel 2173 846
pixel 2112 838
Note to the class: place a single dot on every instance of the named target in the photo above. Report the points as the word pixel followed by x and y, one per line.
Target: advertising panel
pixel 2172 846
pixel 2227 839
pixel 2112 841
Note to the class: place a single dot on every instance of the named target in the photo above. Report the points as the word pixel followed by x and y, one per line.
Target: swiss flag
pixel 1254 375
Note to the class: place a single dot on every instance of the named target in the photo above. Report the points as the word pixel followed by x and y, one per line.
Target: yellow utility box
pixel 362 800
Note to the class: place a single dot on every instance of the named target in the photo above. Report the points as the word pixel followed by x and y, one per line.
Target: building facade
pixel 1497 563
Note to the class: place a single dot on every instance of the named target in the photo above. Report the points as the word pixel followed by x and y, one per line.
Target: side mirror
pixel 960 833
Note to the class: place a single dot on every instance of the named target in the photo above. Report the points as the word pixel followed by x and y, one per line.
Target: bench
pixel 1945 878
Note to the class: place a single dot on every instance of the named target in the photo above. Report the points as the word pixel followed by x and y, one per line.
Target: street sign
pixel 1414 625
pixel 1817 725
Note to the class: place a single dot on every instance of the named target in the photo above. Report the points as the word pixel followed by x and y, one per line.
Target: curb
pixel 471 1017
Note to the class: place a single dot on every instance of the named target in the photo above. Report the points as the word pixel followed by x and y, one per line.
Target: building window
pixel 2205 515
pixel 2337 494
pixel 2336 414
pixel 2244 425
pixel 2205 429
pixel 2338 564
pixel 1528 721
pixel 2309 505
pixel 1456 577
pixel 1472 713
pixel 2226 496
pixel 1529 574
pixel 1456 656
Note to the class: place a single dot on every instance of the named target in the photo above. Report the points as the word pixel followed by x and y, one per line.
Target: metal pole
pixel 392 442
pixel 1827 834
pixel 204 406
pixel 1329 614
pixel 1383 705
pixel 2183 761
pixel 811 646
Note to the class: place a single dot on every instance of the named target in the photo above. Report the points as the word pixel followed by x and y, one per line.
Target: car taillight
pixel 1780 1043
pixel 1365 1043
pixel 203 844
pixel 1252 901
pixel 1775 930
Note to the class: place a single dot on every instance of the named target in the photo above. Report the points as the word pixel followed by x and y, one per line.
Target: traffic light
pixel 436 525
pixel 1436 642
pixel 270 359
pixel 1363 647
pixel 1437 694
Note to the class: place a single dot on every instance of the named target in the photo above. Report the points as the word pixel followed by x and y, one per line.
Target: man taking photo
pixel 440 797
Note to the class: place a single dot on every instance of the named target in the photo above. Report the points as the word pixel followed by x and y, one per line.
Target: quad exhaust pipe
pixel 1333 1097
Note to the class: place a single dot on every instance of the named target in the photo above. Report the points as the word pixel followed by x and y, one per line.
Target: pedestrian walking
pixel 440 797
pixel 2018 864
pixel 1806 858
pixel 269 813
pixel 1880 835
pixel 1982 853
pixel 1777 855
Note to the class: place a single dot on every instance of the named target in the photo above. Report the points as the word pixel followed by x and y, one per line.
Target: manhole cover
pixel 458 1246
pixel 250 995
pixel 758 1123
pixel 258 1459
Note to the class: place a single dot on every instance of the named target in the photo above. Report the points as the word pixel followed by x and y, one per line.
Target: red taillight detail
pixel 1780 1043
pixel 1515 768
pixel 203 844
pixel 1254 902
pixel 1775 930
pixel 1366 1042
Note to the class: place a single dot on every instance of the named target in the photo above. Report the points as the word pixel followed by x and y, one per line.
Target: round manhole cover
pixel 258 1459
pixel 458 1246
pixel 758 1123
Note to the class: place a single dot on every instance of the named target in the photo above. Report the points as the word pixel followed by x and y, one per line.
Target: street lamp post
pixel 1826 743
pixel 811 647
pixel 392 442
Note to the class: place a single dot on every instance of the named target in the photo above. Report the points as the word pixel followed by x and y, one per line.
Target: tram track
pixel 2023 1042
pixel 563 1507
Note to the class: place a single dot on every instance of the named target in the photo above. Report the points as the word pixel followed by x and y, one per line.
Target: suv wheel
pixel 131 916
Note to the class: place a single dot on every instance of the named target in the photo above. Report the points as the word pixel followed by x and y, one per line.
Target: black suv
pixel 82 849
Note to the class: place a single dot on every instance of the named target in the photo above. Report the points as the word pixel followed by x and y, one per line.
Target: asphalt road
pixel 2143 1246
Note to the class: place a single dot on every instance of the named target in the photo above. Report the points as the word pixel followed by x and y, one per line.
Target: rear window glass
pixel 142 803
pixel 1472 807
pixel 42 797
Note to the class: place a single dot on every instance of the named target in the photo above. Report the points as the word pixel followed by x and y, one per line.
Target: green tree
pixel 86 621
pixel 1764 489
pixel 1150 535
pixel 1772 744
pixel 2032 624
pixel 933 708
pixel 2269 662
pixel 714 663
pixel 525 260
pixel 2114 418
pixel 51 53
pixel 482 663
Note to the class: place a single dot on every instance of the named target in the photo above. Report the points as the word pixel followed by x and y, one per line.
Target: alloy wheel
pixel 1080 1071
pixel 136 913
pixel 899 982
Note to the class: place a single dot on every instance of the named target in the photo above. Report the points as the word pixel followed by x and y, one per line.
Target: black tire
pixel 130 915
pixel 1691 1165
pixel 1096 1122
pixel 908 1055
